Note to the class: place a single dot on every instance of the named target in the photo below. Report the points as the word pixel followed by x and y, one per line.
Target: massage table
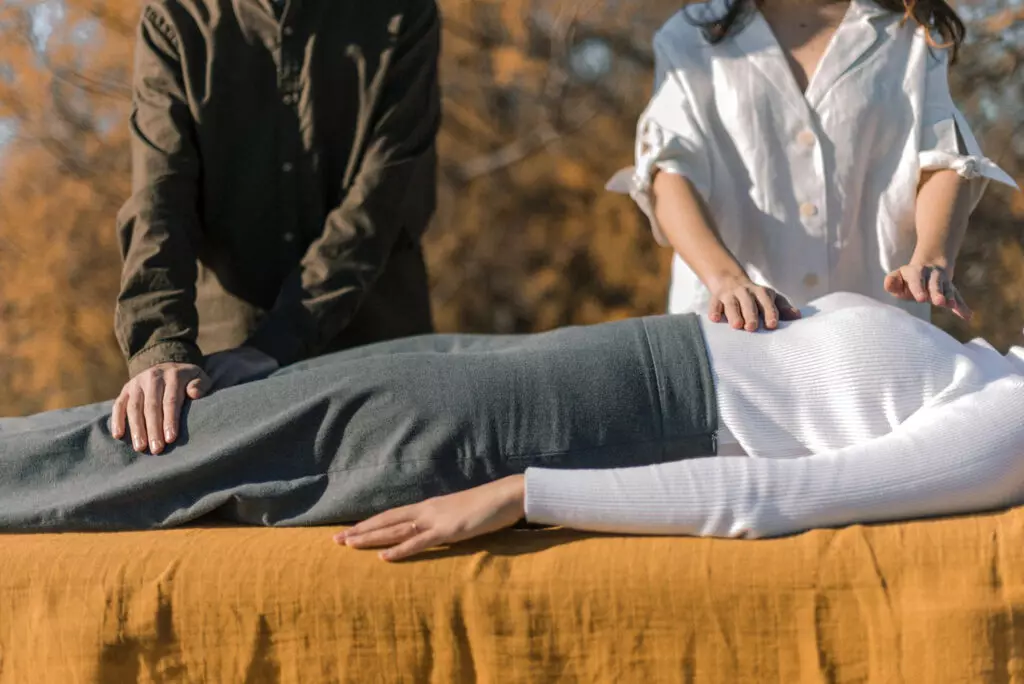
pixel 928 601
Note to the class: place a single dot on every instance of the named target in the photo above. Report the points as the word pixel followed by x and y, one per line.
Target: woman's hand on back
pixel 409 530
pixel 744 304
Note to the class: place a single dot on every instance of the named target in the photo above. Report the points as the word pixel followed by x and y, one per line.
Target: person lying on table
pixel 860 412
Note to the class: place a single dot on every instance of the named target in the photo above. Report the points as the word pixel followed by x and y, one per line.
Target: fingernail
pixel 384 555
pixel 169 435
pixel 156 445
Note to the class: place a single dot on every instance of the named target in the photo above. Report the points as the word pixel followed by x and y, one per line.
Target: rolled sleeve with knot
pixel 947 141
pixel 668 138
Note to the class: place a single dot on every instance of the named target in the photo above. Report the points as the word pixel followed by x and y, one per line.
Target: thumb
pixel 199 386
pixel 894 283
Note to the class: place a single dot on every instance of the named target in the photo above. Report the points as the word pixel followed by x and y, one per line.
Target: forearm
pixel 944 203
pixel 155 317
pixel 690 229
pixel 158 227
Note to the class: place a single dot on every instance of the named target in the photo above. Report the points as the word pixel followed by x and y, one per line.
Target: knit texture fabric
pixel 858 413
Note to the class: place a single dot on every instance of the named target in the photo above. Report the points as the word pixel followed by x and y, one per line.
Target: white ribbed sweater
pixel 857 413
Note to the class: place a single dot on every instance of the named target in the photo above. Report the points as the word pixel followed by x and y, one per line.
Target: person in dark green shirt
pixel 284 170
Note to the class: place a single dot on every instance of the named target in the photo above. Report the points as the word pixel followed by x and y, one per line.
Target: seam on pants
pixel 657 380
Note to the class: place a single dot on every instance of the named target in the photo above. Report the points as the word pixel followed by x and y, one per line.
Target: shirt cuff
pixel 165 352
pixel 969 167
pixel 545 499
pixel 658 150
pixel 949 144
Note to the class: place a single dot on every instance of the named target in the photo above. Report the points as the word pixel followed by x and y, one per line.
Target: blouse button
pixel 810 280
pixel 807 210
pixel 806 138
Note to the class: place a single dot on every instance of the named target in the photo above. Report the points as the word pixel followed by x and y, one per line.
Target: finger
pixel 787 312
pixel 960 307
pixel 716 310
pixel 152 408
pixel 381 520
pixel 733 312
pixel 200 386
pixel 410 547
pixel 891 284
pixel 766 302
pixel 136 420
pixel 894 284
pixel 174 397
pixel 916 283
pixel 897 286
pixel 748 304
pixel 388 536
pixel 118 415
pixel 937 287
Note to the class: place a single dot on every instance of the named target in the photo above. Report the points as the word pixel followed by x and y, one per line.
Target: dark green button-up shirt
pixel 283 158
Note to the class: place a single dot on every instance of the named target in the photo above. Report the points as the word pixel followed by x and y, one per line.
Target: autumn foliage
pixel 541 99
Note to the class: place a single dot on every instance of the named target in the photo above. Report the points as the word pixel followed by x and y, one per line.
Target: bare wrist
pixel 934 260
pixel 726 280
pixel 516 493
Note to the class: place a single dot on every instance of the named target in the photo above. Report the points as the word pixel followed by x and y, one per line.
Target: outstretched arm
pixel 962 457
pixel 954 175
pixel 965 456
pixel 158 228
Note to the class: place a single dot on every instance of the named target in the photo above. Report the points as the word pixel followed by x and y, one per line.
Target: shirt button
pixel 807 210
pixel 806 138
pixel 289 237
pixel 288 30
pixel 287 167
pixel 810 280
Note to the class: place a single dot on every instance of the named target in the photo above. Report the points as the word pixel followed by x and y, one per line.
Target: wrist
pixel 933 259
pixel 516 493
pixel 725 280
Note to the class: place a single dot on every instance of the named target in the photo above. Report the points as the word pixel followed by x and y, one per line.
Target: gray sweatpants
pixel 349 435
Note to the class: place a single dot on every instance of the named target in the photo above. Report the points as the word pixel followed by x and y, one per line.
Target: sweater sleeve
pixel 964 456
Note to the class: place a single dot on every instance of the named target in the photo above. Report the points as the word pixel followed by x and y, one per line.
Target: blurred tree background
pixel 541 99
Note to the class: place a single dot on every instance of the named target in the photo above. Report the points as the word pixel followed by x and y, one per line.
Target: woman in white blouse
pixel 801 147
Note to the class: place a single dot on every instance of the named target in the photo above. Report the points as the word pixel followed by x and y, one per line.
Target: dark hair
pixel 936 16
